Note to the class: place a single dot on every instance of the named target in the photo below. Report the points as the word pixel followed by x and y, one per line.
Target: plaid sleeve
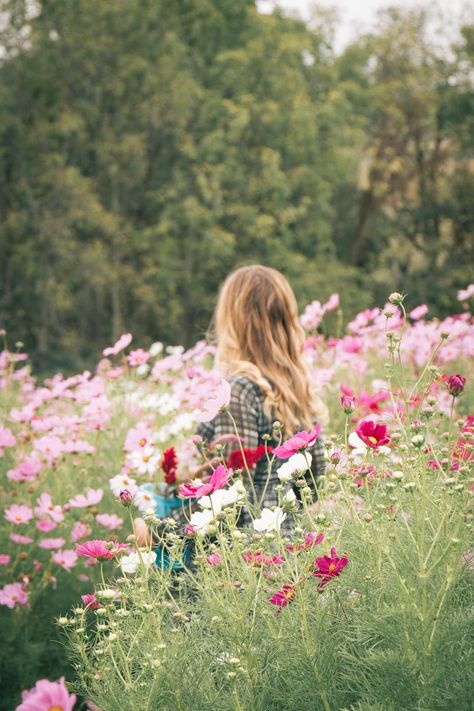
pixel 318 461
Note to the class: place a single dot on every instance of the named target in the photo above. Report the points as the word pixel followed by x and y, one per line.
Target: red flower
pixel 169 465
pixel 329 567
pixel 235 460
pixel 372 435
pixel 283 597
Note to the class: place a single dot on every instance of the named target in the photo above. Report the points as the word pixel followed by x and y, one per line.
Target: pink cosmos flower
pixel 138 437
pixel 4 559
pixel 47 696
pixel 371 434
pixel 301 440
pixel 119 345
pixel 21 540
pixel 91 498
pixel 328 567
pixel 46 508
pixel 45 525
pixel 214 559
pixel 206 410
pixel 100 550
pixel 348 403
pixel 311 539
pixel 418 312
pixel 80 530
pixel 12 595
pixel 18 513
pixel 7 439
pixel 219 478
pixel 26 470
pixel 66 559
pixel 90 601
pixel 50 447
pixel 258 559
pixel 51 543
pixel 110 521
pixel 138 357
pixel 465 294
pixel 283 597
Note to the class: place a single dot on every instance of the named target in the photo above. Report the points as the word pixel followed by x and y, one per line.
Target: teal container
pixel 163 506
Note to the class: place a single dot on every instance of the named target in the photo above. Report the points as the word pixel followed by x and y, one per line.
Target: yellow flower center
pixel 146 459
pixel 373 439
pixel 142 442
pixel 332 567
pixel 56 708
pixel 290 594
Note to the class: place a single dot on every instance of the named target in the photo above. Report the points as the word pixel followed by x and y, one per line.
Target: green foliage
pixel 148 148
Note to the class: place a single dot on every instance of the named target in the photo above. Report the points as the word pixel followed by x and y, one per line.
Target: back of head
pixel 259 335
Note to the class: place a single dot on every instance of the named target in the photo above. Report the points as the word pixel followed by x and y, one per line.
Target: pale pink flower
pixel 21 540
pixel 51 447
pixel 121 482
pixel 80 530
pixel 138 357
pixel 67 559
pixel 45 525
pixel 12 595
pixel 91 498
pixel 52 543
pixel 47 696
pixel 47 508
pixel 6 438
pixel 110 521
pixel 214 559
pixel 119 345
pixel 418 312
pixel 138 437
pixel 26 470
pixel 465 294
pixel 209 407
pixel 114 373
pixel 18 513
pixel 4 559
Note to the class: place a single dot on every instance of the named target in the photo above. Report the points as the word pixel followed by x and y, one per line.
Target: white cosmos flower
pixel 155 349
pixel 290 497
pixel 296 464
pixel 202 521
pixel 130 563
pixel 223 497
pixel 270 520
pixel 144 500
pixel 146 460
pixel 359 448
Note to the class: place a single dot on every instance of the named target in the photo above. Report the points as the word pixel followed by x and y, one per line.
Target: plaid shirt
pixel 246 407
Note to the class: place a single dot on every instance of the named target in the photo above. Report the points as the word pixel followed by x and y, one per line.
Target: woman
pixel 259 344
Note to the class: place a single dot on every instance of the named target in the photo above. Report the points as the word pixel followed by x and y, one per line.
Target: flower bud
pixel 126 497
pixel 455 384
pixel 348 404
pixel 418 440
pixel 396 298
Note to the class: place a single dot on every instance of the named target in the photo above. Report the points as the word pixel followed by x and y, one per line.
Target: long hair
pixel 258 335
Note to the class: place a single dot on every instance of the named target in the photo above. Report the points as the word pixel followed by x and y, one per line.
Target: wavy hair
pixel 258 335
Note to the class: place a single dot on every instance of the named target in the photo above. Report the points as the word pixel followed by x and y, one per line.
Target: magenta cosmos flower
pixel 100 550
pixel 219 478
pixel 47 696
pixel 283 597
pixel 301 440
pixel 311 539
pixel 373 435
pixel 328 567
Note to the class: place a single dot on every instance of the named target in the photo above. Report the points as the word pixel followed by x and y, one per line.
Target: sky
pixel 360 14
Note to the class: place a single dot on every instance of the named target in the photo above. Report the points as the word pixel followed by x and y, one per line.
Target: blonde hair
pixel 258 335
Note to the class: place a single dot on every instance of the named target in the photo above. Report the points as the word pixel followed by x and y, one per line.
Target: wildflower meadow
pixel 359 598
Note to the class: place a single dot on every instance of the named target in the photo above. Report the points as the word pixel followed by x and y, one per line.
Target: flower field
pixel 361 601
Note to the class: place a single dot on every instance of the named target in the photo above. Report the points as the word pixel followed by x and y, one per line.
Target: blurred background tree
pixel 148 148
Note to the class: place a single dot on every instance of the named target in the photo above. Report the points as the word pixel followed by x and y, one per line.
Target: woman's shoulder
pixel 243 384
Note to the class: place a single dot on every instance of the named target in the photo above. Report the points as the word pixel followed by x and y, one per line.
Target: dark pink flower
pixel 90 601
pixel 311 539
pixel 258 559
pixel 301 440
pixel 348 403
pixel 328 567
pixel 47 696
pixel 126 497
pixel 219 478
pixel 372 434
pixel 283 597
